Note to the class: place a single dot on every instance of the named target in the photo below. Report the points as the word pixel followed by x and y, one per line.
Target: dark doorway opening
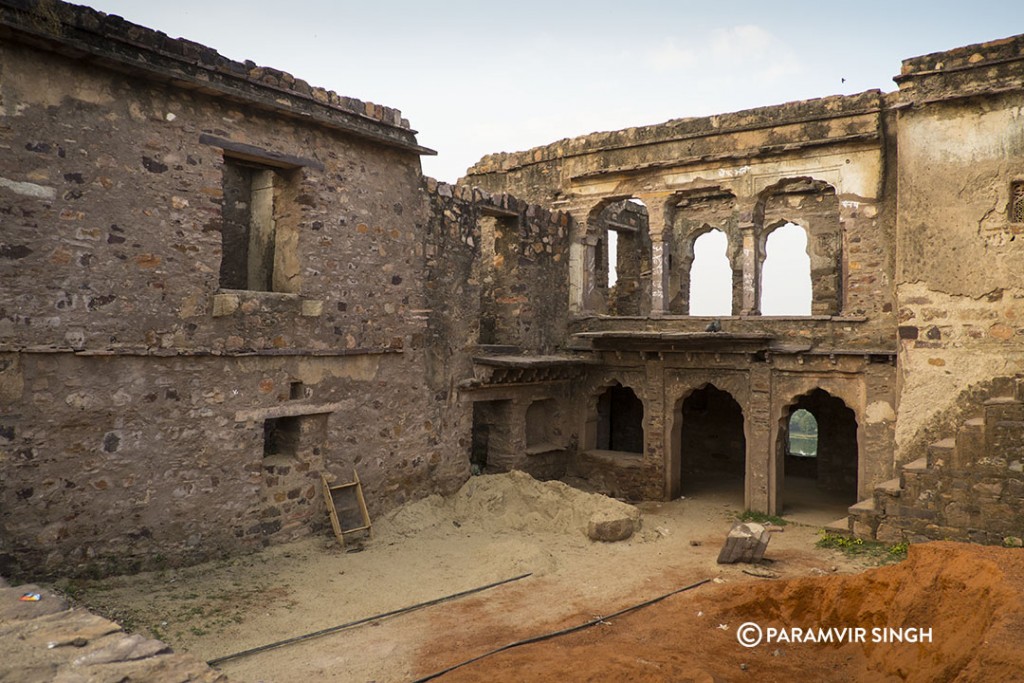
pixel 713 448
pixel 620 421
pixel 818 445
pixel 491 447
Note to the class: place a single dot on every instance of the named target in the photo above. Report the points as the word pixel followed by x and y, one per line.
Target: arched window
pixel 803 434
pixel 711 276
pixel 786 274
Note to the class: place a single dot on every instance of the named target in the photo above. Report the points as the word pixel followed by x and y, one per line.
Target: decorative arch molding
pixel 677 390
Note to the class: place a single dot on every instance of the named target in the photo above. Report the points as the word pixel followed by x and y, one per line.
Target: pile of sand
pixel 514 501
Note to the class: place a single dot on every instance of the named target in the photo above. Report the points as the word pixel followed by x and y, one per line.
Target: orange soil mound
pixel 969 596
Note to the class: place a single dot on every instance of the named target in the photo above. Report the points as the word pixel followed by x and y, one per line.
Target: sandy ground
pixel 432 549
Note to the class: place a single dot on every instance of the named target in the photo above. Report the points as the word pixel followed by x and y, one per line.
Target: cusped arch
pixel 786 286
pixel 710 275
pixel 709 449
pixel 691 214
pixel 813 205
pixel 830 475
pixel 616 415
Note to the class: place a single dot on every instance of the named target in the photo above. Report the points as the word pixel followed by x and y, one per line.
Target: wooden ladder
pixel 346 507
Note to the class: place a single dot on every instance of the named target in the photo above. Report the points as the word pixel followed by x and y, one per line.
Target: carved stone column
pixel 751 272
pixel 659 257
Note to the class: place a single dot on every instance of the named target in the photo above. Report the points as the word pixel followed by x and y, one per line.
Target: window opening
pixel 620 416
pixel 281 436
pixel 803 434
pixel 253 244
pixel 711 276
pixel 613 258
pixel 1017 201
pixel 786 275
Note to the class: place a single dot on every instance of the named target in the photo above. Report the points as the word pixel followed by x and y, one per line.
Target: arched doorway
pixel 713 448
pixel 818 448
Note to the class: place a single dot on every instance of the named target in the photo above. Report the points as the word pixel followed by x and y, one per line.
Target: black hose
pixel 335 629
pixel 555 634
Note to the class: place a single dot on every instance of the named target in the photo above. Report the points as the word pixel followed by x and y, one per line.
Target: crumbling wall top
pixel 83 32
pixel 980 69
pixel 804 111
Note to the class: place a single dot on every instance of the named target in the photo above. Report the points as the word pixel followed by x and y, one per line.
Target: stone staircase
pixel 969 487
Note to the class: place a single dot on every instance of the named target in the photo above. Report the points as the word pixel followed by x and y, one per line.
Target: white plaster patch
pixel 28 189
pixel 733 172
pixel 879 411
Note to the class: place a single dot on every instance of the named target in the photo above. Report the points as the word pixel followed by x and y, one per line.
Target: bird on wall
pixel 714 326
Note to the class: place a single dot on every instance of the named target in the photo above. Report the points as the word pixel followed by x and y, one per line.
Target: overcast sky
pixel 478 77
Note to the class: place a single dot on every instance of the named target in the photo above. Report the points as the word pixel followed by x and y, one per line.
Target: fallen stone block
pixel 124 649
pixel 610 526
pixel 746 542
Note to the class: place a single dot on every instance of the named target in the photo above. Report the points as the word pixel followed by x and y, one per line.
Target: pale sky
pixel 478 77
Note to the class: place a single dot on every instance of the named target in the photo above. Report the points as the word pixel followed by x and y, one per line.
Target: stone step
pixel 864 518
pixel 1004 409
pixel 1003 386
pixel 864 507
pixel 843 525
pixel 941 452
pixel 886 494
pixel 970 443
pixel 889 488
pixel 910 471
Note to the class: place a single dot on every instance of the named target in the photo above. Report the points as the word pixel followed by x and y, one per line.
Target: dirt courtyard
pixel 504 528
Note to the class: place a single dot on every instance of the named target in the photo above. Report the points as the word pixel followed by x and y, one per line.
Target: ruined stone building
pixel 218 282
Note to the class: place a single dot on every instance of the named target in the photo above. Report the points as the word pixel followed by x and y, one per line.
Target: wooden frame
pixel 348 498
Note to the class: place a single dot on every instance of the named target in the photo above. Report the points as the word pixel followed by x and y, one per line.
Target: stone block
pixel 312 308
pixel 610 526
pixel 123 649
pixel 224 304
pixel 746 542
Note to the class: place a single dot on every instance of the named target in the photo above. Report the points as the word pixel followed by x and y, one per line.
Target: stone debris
pixel 746 542
pixel 50 641
pixel 610 526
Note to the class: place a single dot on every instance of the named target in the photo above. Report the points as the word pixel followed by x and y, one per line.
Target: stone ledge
pixel 229 302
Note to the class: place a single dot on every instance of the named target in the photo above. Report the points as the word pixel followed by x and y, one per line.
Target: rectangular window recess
pixel 244 152
pixel 1017 201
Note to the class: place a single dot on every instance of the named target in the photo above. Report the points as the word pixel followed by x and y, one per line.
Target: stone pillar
pixel 762 476
pixel 577 276
pixel 659 257
pixel 751 272
pixel 655 415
